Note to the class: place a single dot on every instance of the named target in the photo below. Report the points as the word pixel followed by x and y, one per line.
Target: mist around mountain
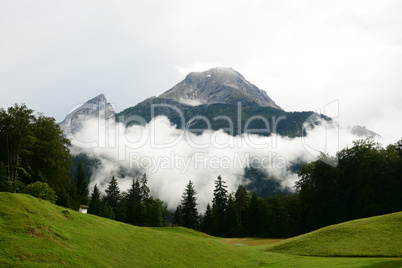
pixel 174 136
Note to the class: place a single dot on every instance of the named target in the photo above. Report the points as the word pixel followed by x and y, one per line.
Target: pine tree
pixel 241 203
pixel 154 212
pixel 144 188
pixel 189 207
pixel 231 218
pixel 135 211
pixel 81 185
pixel 207 220
pixel 106 210
pixel 122 208
pixel 73 200
pixel 113 194
pixel 255 215
pixel 219 204
pixel 95 202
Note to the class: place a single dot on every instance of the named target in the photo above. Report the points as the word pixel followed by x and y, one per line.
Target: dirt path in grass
pixel 250 241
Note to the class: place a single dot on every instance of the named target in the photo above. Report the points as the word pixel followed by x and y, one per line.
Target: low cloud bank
pixel 171 157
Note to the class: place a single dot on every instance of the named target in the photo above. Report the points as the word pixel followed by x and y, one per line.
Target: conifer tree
pixel 241 202
pixel 135 211
pixel 113 194
pixel 95 201
pixel 231 218
pixel 207 220
pixel 144 188
pixel 81 185
pixel 154 212
pixel 106 210
pixel 219 204
pixel 254 215
pixel 189 207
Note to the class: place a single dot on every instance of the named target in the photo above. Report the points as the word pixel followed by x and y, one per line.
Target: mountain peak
pixel 97 107
pixel 220 71
pixel 100 97
pixel 218 85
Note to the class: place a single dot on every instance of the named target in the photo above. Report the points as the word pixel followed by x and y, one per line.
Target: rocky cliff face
pixel 96 108
pixel 218 85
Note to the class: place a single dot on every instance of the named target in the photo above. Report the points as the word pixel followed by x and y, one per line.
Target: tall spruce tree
pixel 81 184
pixel 231 218
pixel 241 202
pixel 189 207
pixel 219 204
pixel 135 210
pixel 207 220
pixel 144 188
pixel 95 201
pixel 113 194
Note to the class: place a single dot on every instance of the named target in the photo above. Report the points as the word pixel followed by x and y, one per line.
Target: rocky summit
pixel 97 107
pixel 218 85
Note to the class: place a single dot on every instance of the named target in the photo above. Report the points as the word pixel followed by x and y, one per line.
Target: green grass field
pixel 379 236
pixel 36 233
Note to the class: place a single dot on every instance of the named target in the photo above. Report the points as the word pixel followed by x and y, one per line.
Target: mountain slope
pixel 233 119
pixel 218 85
pixel 374 236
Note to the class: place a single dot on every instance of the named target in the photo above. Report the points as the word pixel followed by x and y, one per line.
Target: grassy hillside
pixel 369 237
pixel 36 233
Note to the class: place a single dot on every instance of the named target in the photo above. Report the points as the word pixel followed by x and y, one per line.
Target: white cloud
pixel 171 157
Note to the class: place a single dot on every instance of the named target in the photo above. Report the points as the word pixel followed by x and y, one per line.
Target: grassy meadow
pixel 36 233
pixel 379 236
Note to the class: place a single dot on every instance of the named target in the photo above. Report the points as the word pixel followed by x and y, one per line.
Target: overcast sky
pixel 305 54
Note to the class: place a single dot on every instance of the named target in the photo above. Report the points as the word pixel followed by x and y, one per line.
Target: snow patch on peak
pixel 191 102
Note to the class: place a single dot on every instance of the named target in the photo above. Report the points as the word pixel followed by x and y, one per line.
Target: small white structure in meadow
pixel 83 209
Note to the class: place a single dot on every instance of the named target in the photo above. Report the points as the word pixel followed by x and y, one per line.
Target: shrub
pixel 41 190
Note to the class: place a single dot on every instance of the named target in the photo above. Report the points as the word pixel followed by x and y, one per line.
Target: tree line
pixel 238 214
pixel 361 181
pixel 136 206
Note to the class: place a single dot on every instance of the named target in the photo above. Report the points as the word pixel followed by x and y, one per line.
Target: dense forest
pixel 361 181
